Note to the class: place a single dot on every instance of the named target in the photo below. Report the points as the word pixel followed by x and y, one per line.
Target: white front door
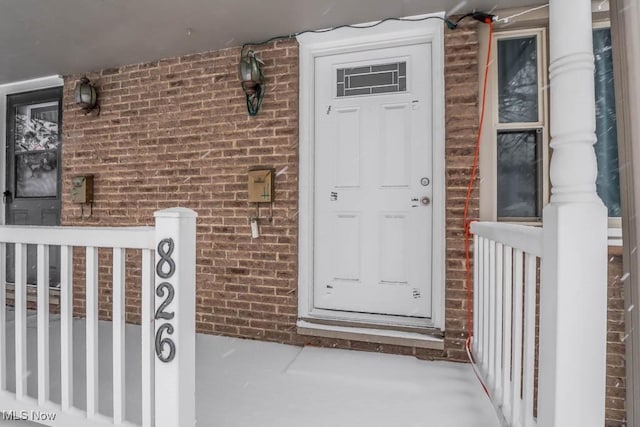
pixel 373 182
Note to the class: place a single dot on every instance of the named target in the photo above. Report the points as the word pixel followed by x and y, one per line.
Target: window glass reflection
pixel 518 175
pixel 518 80
pixel 36 127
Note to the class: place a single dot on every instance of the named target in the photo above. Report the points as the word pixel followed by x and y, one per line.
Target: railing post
pixel 573 296
pixel 174 316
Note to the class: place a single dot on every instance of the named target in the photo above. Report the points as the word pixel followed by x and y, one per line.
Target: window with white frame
pixel 516 173
pixel 520 122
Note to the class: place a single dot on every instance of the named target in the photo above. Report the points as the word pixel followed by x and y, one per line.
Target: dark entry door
pixel 34 145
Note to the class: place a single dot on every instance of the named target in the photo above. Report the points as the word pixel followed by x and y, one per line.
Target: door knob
pixel 425 201
pixel 7 197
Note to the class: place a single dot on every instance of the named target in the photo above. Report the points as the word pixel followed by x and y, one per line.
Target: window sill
pixel 614 235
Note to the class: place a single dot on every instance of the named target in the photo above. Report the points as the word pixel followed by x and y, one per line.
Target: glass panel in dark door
pixel 32 196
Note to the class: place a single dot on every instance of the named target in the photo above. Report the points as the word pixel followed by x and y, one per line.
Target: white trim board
pixel 344 40
pixel 8 89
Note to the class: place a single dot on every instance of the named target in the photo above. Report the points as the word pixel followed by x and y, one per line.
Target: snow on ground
pixel 243 383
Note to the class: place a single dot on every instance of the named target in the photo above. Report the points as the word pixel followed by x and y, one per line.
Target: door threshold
pixel 32 291
pixel 429 338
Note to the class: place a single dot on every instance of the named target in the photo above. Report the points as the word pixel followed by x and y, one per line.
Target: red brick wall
pixel 616 376
pixel 175 132
pixel 461 115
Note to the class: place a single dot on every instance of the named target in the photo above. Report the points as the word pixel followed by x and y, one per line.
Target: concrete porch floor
pixel 241 383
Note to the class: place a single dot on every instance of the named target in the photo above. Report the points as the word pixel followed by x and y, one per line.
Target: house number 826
pixel 165 269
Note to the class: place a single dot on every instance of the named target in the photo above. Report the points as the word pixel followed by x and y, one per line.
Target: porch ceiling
pixel 40 38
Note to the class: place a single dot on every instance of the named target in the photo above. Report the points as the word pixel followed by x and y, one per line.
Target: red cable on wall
pixel 465 215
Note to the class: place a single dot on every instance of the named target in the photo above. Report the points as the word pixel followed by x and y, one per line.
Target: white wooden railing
pixel 167 313
pixel 506 262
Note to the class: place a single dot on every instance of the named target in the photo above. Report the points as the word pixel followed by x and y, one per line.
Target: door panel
pixel 395 146
pixel 372 233
pixel 394 256
pixel 32 196
pixel 347 147
pixel 347 249
pixel 18 217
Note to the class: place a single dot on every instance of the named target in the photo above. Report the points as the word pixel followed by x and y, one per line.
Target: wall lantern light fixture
pixel 86 96
pixel 252 80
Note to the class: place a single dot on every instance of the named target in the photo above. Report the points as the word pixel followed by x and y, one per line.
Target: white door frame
pixel 345 40
pixel 8 89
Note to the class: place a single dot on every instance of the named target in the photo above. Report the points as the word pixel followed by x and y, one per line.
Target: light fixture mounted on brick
pixel 252 79
pixel 86 96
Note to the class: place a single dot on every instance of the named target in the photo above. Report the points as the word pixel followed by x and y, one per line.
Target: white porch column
pixel 573 305
pixel 175 328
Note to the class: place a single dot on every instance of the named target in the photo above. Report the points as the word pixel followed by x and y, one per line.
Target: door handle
pixel 424 201
pixel 7 197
